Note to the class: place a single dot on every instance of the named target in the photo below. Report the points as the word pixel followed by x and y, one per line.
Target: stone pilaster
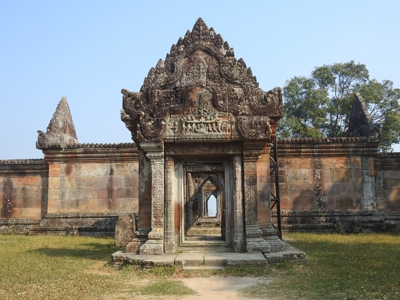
pixel 169 239
pixel 254 240
pixel 155 243
pixel 238 222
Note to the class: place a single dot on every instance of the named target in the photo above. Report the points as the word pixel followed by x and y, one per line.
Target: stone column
pixel 238 222
pixel 254 240
pixel 269 233
pixel 169 239
pixel 155 243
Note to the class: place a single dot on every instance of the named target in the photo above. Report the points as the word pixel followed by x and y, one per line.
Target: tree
pixel 320 105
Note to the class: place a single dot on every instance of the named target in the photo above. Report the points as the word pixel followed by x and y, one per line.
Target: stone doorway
pixel 202 181
pixel 203 220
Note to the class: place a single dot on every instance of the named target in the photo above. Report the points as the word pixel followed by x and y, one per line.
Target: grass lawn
pixel 362 266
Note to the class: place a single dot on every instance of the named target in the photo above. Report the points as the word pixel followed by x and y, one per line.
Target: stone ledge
pixel 34 161
pixel 218 260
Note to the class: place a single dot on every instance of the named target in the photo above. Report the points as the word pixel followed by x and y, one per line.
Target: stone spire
pixel 61 130
pixel 361 123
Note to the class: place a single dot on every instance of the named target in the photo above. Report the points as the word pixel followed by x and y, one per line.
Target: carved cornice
pixel 38 161
pixel 203 148
pixel 327 146
pixel 326 140
pixel 23 166
pixel 93 152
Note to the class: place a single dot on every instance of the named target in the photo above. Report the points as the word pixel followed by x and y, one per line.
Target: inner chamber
pixel 204 207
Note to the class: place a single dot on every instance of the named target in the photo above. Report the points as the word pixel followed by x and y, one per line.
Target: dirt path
pixel 221 288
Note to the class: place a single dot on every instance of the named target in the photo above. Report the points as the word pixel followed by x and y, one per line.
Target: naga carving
pixel 200 91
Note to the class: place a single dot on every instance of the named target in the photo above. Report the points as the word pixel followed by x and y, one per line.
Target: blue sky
pixel 89 50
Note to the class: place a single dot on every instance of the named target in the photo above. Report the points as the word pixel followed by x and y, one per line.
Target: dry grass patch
pixel 363 266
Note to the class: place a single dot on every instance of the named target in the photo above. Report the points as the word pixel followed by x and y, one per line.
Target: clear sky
pixel 89 50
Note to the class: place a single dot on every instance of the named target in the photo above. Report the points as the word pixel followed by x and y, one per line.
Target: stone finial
pixel 61 130
pixel 361 123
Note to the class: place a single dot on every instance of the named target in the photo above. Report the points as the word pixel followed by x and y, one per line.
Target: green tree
pixel 320 105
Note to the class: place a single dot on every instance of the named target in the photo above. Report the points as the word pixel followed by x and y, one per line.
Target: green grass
pixel 358 266
pixel 362 266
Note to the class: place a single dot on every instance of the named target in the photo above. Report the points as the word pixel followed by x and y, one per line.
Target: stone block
pixel 70 205
pixel 128 205
pixel 125 230
pixel 356 175
pixel 68 182
pixel 391 183
pixel 330 203
pixel 340 175
pixel 104 194
pixel 117 181
pixel 19 181
pixel 343 203
pixel 339 189
pixel 298 175
pixel 69 170
pixel 94 169
pixel 30 212
pixel 368 203
pixel 391 174
pixel 368 189
pixel 121 168
pixel 129 181
pixel 53 206
pixel 165 260
pixel 53 194
pixel 54 170
pixel 106 205
pixel 122 192
pixel 357 189
pixel 54 182
pixel 104 182
pixel 296 162
pixel 335 162
pixel 355 162
pixel 392 205
pixel 367 163
pixel 303 202
pixel 326 175
pixel 87 181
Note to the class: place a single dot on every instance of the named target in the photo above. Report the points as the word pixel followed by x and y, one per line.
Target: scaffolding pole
pixel 275 199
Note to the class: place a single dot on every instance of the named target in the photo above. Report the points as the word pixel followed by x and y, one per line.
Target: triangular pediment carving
pixel 200 91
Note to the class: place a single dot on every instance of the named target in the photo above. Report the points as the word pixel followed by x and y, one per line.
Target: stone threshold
pixel 211 260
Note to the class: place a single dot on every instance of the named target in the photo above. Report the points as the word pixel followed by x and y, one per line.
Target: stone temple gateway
pixel 200 117
pixel 197 176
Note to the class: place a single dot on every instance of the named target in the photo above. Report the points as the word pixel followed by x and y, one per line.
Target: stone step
pixel 204 247
pixel 202 268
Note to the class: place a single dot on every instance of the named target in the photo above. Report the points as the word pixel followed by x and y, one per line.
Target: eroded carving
pixel 361 123
pixel 197 92
pixel 201 148
pixel 61 130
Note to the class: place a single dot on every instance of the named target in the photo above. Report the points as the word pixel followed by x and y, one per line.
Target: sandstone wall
pixel 23 188
pixel 78 190
pixel 388 182
pixel 93 179
pixel 337 184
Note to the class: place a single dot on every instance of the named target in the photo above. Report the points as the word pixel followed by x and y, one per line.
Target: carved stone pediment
pixel 199 92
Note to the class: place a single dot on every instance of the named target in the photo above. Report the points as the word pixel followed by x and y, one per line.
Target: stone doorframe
pixel 166 181
pixel 188 169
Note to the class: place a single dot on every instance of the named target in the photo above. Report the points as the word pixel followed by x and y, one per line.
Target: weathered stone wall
pixel 89 179
pixel 23 188
pixel 325 185
pixel 387 168
pixel 339 184
pixel 86 186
